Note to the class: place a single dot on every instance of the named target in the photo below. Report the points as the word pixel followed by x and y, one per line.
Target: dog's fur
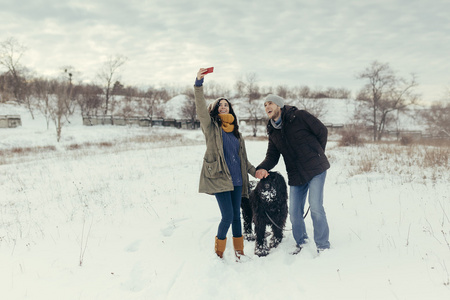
pixel 247 213
pixel 267 205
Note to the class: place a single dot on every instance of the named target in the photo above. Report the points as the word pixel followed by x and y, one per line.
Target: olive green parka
pixel 215 176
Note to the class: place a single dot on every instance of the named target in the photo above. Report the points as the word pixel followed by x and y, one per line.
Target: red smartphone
pixel 209 70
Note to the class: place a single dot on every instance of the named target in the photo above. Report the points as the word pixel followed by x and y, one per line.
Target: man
pixel 301 139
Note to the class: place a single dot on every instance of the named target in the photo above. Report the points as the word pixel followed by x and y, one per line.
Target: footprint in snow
pixel 172 225
pixel 134 246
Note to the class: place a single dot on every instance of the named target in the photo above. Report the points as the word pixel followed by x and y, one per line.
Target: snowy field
pixel 121 218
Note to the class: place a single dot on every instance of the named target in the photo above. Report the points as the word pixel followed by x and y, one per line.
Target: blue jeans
pixel 297 201
pixel 230 207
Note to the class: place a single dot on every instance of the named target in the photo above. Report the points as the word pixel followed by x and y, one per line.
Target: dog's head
pixel 270 187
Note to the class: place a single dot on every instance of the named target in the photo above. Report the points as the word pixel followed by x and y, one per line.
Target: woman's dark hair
pixel 214 113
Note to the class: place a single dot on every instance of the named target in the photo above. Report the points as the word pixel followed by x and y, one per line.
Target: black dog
pixel 268 202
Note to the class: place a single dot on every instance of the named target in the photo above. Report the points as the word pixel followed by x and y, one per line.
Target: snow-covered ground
pixel 124 220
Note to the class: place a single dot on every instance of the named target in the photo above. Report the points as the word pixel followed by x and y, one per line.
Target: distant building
pixel 10 121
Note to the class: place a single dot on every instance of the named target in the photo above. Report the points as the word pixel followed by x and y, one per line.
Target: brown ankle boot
pixel 219 246
pixel 238 244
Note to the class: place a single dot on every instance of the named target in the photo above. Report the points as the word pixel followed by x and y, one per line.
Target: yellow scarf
pixel 227 120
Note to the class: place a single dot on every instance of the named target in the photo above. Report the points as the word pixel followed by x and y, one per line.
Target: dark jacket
pixel 215 176
pixel 301 140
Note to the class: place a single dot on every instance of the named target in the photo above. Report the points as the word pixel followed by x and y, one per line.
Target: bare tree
pixel 108 75
pixel 214 90
pixel 343 93
pixel 43 93
pixel 384 93
pixel 252 87
pixel 152 101
pixel 318 93
pixel 59 108
pixel 266 90
pixel 250 91
pixel 188 110
pixel 303 92
pixel 255 112
pixel 88 98
pixel 437 118
pixel 4 84
pixel 239 87
pixel 126 110
pixel 11 52
pixel 26 94
pixel 302 99
pixel 249 88
pixel 118 88
pixel 283 91
pixel 68 73
pixel 316 107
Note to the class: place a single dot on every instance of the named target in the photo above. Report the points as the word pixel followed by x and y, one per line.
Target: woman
pixel 225 165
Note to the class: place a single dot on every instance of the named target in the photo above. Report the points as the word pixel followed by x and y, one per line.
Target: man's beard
pixel 276 115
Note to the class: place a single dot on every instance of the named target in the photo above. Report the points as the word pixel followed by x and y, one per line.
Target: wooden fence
pixel 139 121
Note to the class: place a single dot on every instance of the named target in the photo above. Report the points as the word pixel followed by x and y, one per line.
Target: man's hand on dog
pixel 261 173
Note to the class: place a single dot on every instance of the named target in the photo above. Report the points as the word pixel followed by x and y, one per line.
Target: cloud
pixel 291 42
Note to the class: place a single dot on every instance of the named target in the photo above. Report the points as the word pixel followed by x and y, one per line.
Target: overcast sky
pixel 307 42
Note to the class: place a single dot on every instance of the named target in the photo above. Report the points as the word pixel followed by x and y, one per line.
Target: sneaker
pixel 320 250
pixel 297 250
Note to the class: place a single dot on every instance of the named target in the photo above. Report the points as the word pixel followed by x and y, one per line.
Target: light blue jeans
pixel 297 201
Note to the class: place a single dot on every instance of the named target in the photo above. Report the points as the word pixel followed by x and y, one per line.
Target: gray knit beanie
pixel 275 99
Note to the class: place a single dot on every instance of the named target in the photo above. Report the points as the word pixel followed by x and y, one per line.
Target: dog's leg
pixel 247 215
pixel 277 237
pixel 261 248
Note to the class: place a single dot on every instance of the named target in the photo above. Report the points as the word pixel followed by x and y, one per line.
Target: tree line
pixel 383 95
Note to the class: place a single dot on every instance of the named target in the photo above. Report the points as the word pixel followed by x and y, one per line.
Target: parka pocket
pixel 212 169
